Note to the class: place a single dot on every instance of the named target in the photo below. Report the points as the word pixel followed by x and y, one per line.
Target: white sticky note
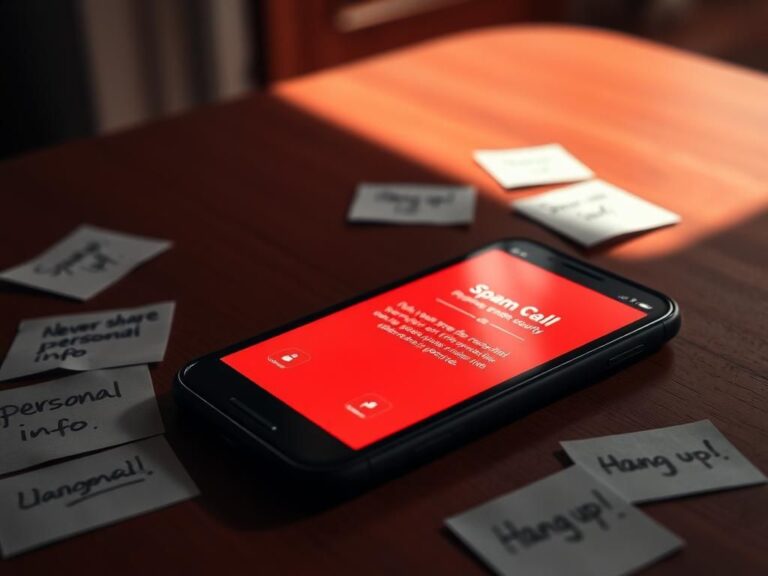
pixel 89 341
pixel 413 204
pixel 567 523
pixel 60 501
pixel 76 414
pixel 85 262
pixel 534 166
pixel 665 462
pixel 593 212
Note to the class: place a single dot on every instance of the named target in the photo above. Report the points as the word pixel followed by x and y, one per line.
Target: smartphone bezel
pixel 302 444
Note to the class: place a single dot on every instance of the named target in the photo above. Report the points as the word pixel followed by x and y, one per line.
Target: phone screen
pixel 381 365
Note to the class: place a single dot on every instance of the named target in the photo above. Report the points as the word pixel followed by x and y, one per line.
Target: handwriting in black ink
pixel 90 258
pixel 569 525
pixel 131 472
pixel 669 466
pixel 67 341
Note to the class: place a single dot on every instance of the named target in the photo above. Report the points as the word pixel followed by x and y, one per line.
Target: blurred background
pixel 75 68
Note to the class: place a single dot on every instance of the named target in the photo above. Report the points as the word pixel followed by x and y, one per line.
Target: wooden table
pixel 254 195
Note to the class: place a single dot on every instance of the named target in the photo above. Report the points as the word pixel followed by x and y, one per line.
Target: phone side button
pixel 432 446
pixel 626 356
pixel 248 417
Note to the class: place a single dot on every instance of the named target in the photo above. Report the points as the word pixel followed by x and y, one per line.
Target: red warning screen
pixel 381 365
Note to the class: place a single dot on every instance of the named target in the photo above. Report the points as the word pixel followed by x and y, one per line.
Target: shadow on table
pixel 248 492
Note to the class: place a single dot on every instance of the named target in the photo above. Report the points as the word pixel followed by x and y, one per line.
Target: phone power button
pixel 626 356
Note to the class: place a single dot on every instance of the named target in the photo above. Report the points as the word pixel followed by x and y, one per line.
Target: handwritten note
pixel 538 165
pixel 593 212
pixel 85 262
pixel 76 414
pixel 567 523
pixel 89 341
pixel 52 503
pixel 413 204
pixel 665 462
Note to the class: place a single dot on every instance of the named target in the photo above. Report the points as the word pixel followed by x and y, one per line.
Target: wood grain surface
pixel 254 194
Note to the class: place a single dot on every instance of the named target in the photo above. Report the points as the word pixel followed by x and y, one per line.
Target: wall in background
pixel 44 91
pixel 148 59
pixel 72 68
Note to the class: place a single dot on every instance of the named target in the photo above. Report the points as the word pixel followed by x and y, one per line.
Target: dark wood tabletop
pixel 254 195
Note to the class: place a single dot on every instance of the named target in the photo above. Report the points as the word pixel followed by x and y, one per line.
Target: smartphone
pixel 390 378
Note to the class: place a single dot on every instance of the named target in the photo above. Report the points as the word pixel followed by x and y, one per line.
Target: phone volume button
pixel 248 417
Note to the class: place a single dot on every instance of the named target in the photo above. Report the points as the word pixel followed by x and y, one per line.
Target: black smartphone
pixel 374 385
